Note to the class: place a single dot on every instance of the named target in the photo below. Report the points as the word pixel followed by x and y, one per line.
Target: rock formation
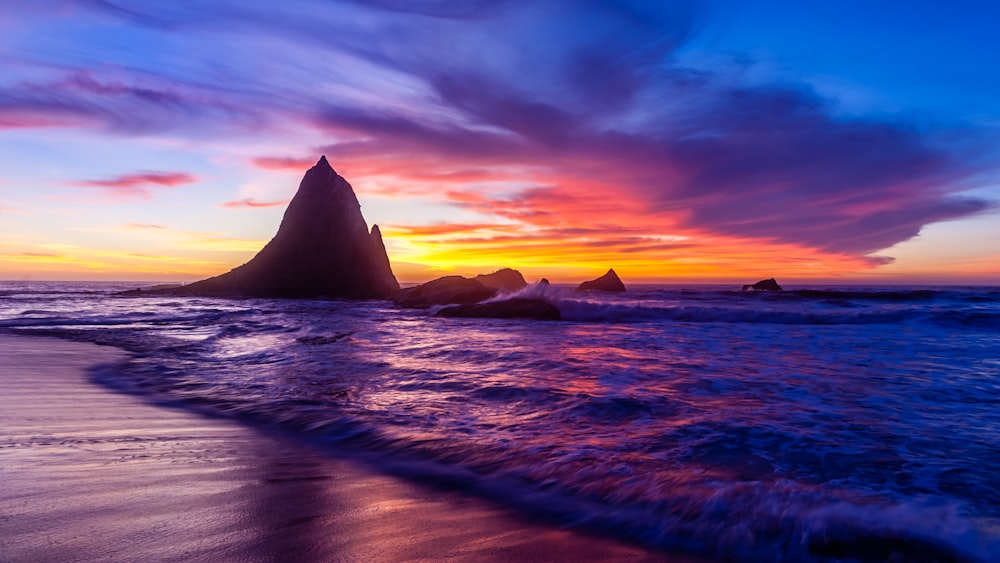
pixel 459 290
pixel 505 279
pixel 444 291
pixel 159 288
pixel 763 285
pixel 607 282
pixel 322 248
pixel 516 308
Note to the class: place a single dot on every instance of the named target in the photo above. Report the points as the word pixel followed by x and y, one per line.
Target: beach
pixel 93 475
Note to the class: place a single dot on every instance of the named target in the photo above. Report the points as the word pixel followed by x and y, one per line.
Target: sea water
pixel 821 423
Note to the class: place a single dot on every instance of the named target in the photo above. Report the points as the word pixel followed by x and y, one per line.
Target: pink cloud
pixel 26 119
pixel 136 185
pixel 283 163
pixel 449 229
pixel 120 102
pixel 251 203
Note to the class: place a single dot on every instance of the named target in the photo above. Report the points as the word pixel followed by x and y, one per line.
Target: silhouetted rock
pixel 505 279
pixel 154 289
pixel 444 291
pixel 543 281
pixel 763 285
pixel 517 308
pixel 607 282
pixel 322 248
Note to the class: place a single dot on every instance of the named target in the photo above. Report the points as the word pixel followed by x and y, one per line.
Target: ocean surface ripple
pixel 824 423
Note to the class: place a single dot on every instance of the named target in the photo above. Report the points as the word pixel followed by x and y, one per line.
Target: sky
pixel 704 141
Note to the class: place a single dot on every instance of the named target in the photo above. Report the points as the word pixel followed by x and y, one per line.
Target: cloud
pixel 123 101
pixel 770 162
pixel 593 120
pixel 283 163
pixel 446 229
pixel 144 226
pixel 251 203
pixel 138 184
pixel 767 163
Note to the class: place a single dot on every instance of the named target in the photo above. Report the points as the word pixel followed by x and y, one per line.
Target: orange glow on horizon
pixel 564 234
pixel 422 251
pixel 76 263
pixel 416 260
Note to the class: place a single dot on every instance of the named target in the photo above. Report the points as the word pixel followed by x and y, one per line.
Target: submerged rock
pixel 505 279
pixel 763 285
pixel 517 308
pixel 607 282
pixel 444 291
pixel 322 248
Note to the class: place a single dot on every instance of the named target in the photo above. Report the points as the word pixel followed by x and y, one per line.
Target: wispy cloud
pixel 138 184
pixel 122 101
pixel 283 163
pixel 251 203
pixel 144 226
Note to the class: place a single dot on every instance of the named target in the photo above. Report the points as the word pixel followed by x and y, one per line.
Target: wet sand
pixel 92 475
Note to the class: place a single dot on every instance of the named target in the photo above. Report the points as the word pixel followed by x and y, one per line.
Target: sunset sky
pixel 674 141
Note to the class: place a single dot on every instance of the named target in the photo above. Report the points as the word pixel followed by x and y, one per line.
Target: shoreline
pixel 94 475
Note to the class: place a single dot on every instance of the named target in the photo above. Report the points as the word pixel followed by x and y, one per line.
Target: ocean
pixel 818 424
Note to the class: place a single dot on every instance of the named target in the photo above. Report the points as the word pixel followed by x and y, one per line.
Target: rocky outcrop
pixel 322 248
pixel 763 285
pixel 607 282
pixel 517 308
pixel 153 289
pixel 444 291
pixel 505 279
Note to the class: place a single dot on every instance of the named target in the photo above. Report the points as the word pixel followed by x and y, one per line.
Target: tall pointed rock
pixel 323 248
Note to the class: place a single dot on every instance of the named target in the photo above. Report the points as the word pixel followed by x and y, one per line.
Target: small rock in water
pixel 763 285
pixel 607 282
pixel 444 291
pixel 505 279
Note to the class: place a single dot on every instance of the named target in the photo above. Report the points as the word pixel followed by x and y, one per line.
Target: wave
pixel 777 308
pixel 880 295
pixel 582 309
pixel 577 310
pixel 733 519
pixel 985 320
